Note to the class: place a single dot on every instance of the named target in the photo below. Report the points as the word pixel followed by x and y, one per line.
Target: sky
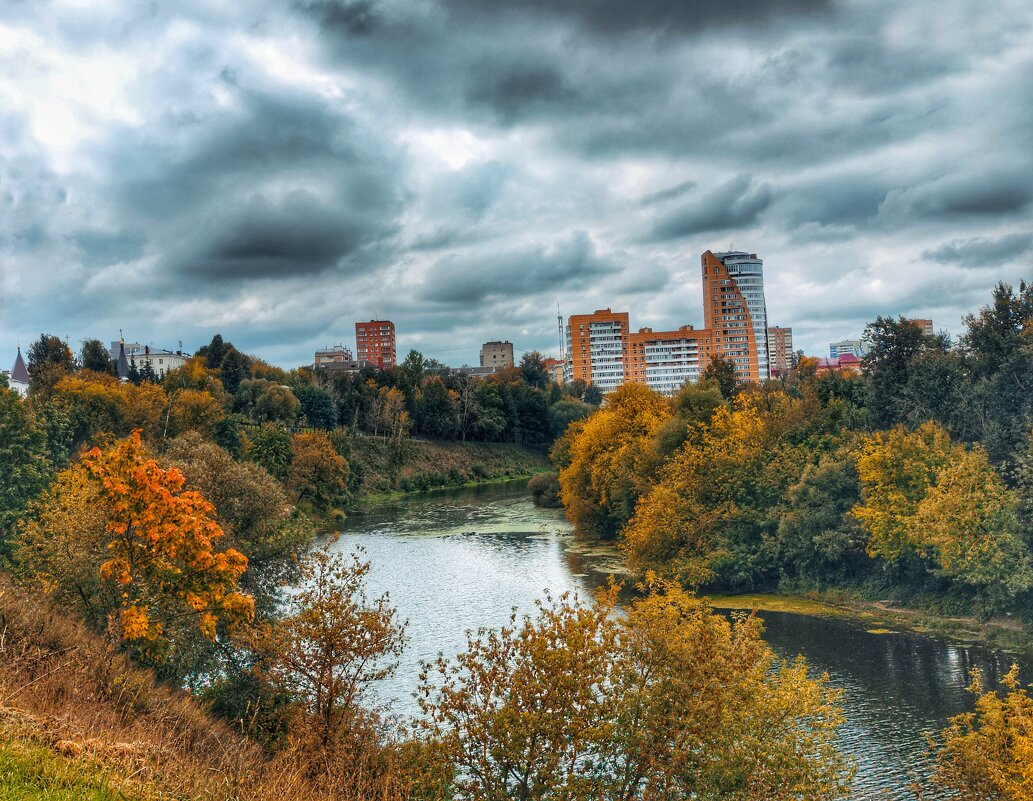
pixel 276 170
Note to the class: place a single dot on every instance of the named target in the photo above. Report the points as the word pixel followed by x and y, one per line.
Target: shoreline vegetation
pixel 1005 634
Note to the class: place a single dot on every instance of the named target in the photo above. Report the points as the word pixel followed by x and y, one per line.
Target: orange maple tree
pixel 161 551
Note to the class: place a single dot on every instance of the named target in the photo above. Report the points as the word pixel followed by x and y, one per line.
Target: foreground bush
pixel 545 490
pixel 988 754
pixel 670 701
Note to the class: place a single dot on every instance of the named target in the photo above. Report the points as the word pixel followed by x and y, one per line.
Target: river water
pixel 459 560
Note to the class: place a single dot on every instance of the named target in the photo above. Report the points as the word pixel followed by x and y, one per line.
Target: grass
pixel 764 602
pixel 34 772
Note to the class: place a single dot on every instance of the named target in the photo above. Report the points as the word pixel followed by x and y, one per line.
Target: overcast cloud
pixel 275 171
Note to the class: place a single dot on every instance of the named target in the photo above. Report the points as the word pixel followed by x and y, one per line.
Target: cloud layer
pixel 276 171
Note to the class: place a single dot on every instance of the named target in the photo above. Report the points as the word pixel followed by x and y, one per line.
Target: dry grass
pixel 73 706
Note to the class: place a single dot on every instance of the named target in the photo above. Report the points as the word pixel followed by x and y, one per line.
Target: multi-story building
pixel 846 363
pixel 925 325
pixel 375 343
pixel 781 357
pixel 855 347
pixel 667 360
pixel 554 369
pixel 161 361
pixel 497 354
pixel 597 345
pixel 600 350
pixel 337 354
pixel 735 311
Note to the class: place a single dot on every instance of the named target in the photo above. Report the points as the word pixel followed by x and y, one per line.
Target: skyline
pixel 459 169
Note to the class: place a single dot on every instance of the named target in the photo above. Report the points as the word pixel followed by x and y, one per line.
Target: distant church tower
pixel 19 378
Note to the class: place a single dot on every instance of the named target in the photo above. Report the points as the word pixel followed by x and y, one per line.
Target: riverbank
pixel 384 470
pixel 878 617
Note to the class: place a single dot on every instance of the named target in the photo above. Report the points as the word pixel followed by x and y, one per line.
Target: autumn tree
pixel 329 648
pixel 667 701
pixel 137 548
pixel 99 403
pixel 318 476
pixel 611 460
pixel 193 410
pixel 987 754
pixel 968 525
pixel 896 468
pixel 253 510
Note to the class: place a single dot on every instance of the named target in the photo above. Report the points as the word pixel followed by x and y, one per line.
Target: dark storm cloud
pixel 736 203
pixel 299 236
pixel 616 17
pixel 473 278
pixel 1000 192
pixel 981 252
pixel 669 193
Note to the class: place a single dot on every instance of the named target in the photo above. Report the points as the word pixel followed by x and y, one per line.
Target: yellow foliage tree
pixel 193 410
pixel 988 754
pixel 611 459
pixel 896 468
pixel 670 701
pixel 676 527
pixel 968 525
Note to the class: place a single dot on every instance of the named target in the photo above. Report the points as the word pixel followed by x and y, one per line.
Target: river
pixel 459 560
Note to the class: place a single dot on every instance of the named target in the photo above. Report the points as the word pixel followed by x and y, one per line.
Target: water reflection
pixel 466 559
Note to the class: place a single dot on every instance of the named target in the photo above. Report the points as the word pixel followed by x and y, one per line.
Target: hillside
pixel 424 464
pixel 78 721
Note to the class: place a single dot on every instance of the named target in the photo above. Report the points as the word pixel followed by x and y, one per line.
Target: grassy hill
pixel 382 467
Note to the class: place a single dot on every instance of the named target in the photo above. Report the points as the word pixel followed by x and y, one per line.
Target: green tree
pixel 998 348
pixel 226 433
pixel 94 356
pixel 270 448
pixel 819 541
pixel 436 412
pixel 721 371
pixel 213 352
pixel 234 367
pixel 593 395
pixel 50 360
pixel 893 347
pixel 317 406
pixel 25 469
pixel 565 412
pixel 276 404
pixel 532 369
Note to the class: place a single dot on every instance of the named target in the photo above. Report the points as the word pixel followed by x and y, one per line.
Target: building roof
pixel 19 372
pixel 123 362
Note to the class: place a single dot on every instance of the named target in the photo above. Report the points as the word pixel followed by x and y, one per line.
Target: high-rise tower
pixel 735 312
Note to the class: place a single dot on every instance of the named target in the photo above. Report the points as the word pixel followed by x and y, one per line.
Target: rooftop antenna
pixel 559 327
